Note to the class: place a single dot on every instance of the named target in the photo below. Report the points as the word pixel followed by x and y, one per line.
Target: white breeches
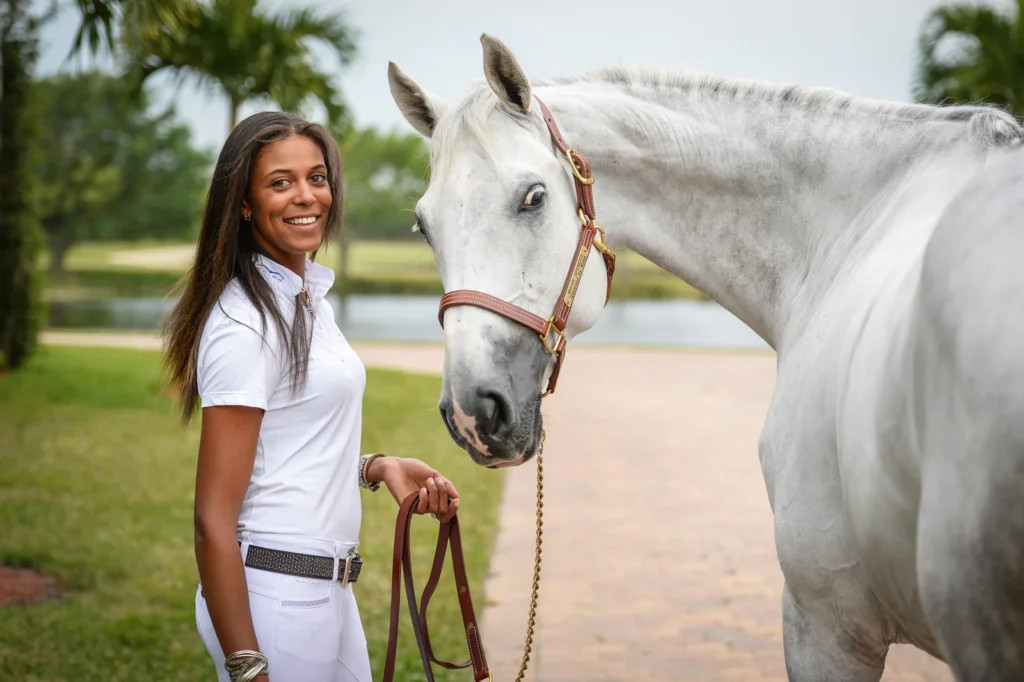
pixel 309 629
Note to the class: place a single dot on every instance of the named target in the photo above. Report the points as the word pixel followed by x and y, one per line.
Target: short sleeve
pixel 237 366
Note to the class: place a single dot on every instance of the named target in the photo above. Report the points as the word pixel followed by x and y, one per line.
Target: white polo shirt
pixel 304 478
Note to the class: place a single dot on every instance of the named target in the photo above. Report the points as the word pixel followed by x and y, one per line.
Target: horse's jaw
pixel 506 465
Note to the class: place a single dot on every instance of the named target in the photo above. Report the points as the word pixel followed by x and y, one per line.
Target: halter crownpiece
pixel 552 330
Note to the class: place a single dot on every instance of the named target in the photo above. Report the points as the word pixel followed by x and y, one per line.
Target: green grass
pixel 368 257
pixel 102 255
pixel 96 488
pixel 104 269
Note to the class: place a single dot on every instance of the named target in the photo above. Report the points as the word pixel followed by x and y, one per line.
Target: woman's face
pixel 289 199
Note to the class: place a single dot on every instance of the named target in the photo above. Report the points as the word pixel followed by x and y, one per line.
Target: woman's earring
pixel 247 216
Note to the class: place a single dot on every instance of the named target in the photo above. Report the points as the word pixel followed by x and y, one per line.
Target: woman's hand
pixel 405 475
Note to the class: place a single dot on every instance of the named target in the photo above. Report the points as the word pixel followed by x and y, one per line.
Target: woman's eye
pixel 534 198
pixel 319 177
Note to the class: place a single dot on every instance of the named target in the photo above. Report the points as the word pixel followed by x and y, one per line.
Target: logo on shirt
pixel 270 273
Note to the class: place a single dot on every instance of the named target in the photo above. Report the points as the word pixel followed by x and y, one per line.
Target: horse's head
pixel 501 217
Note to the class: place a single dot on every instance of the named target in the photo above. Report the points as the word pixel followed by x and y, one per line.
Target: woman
pixel 277 506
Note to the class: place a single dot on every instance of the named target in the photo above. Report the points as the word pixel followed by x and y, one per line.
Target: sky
pixel 864 47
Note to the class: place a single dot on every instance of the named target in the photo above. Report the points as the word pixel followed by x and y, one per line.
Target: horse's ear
pixel 504 74
pixel 420 108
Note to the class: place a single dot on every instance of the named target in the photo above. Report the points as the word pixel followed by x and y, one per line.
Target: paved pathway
pixel 659 562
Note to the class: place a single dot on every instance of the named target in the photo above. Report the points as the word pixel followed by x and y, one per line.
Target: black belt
pixel 305 565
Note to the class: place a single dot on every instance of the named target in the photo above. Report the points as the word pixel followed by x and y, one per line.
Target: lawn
pixel 406 267
pixel 96 489
pixel 367 257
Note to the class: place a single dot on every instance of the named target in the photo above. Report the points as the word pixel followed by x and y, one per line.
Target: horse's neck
pixel 749 202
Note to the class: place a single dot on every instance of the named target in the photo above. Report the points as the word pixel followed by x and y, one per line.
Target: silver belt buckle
pixel 348 566
pixel 348 569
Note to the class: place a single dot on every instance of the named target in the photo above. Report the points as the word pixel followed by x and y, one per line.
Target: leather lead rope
pixel 402 567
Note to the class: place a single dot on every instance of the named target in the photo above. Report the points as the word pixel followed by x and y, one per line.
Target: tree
pixel 19 30
pixel 236 47
pixel 164 179
pixel 135 19
pixel 19 241
pixel 384 174
pixel 972 53
pixel 109 169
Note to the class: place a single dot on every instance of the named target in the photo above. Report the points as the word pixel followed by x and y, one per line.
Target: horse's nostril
pixel 495 413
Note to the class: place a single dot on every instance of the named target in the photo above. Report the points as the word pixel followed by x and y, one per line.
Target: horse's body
pixel 893 451
pixel 876 247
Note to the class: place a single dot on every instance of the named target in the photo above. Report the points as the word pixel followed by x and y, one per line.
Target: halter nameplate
pixel 575 277
pixel 583 181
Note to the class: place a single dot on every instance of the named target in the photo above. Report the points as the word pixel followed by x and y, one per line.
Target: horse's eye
pixel 534 198
pixel 418 227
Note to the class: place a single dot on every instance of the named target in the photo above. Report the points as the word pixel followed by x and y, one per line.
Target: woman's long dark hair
pixel 227 250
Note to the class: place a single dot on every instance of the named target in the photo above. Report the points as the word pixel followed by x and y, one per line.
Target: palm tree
pixel 19 230
pixel 135 18
pixel 19 233
pixel 236 47
pixel 972 53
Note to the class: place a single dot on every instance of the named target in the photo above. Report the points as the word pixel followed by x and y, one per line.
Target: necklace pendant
pixel 307 301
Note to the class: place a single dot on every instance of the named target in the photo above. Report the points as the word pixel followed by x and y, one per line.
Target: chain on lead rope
pixel 528 646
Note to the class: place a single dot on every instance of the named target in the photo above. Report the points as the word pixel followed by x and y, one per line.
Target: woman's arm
pixel 227 450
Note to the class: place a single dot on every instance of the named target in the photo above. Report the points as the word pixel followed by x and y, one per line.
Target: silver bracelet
pixel 364 462
pixel 246 665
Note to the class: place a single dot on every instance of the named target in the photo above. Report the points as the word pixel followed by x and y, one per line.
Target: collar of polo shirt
pixel 319 279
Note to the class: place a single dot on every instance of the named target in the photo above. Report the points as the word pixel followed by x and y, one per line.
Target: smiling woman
pixel 290 199
pixel 277 506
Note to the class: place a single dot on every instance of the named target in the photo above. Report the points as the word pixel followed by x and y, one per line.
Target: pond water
pixel 414 319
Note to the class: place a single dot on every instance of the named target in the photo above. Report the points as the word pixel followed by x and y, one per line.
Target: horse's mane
pixel 987 123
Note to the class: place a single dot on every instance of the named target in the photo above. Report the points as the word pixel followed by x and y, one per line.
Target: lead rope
pixel 528 647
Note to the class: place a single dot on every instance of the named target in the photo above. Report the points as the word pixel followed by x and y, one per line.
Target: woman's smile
pixel 302 220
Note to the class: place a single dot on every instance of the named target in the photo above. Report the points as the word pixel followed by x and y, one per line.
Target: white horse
pixel 877 247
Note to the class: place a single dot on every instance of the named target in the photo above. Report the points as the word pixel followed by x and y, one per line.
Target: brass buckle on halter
pixel 559 336
pixel 575 169
pixel 600 245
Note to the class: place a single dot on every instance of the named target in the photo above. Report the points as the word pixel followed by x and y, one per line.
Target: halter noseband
pixel 551 330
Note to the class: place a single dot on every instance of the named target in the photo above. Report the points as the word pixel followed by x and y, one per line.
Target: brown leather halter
pixel 551 330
